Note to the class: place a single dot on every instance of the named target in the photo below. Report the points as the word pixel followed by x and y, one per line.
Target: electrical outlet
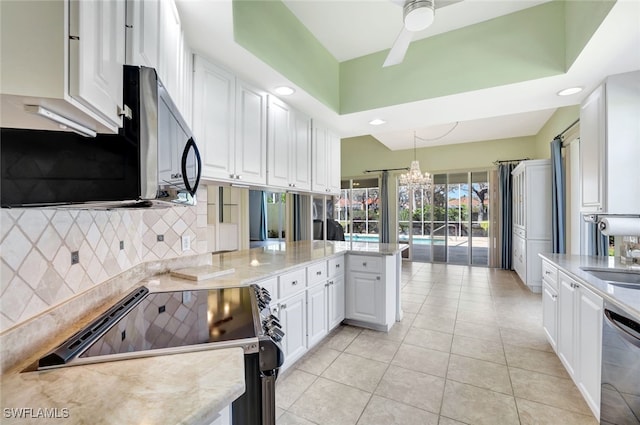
pixel 160 238
pixel 75 257
pixel 121 245
pixel 186 243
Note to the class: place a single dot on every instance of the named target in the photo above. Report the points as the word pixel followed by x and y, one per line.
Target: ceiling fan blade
pixel 442 3
pixel 399 48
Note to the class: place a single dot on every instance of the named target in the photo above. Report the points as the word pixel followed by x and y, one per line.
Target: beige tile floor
pixel 469 350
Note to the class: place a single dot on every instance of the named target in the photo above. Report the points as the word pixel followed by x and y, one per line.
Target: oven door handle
pixel 626 327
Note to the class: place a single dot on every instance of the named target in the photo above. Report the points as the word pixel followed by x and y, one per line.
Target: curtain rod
pixel 502 161
pixel 568 128
pixel 387 169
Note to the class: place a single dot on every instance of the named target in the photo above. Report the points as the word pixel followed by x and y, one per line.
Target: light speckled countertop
pixel 261 263
pixel 188 388
pixel 626 298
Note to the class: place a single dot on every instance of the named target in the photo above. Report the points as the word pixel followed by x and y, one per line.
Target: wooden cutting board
pixel 201 272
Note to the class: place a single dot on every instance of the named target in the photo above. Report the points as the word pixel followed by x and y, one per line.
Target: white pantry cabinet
pixel 370 291
pixel 229 123
pixel 289 147
pixel 580 337
pixel 610 146
pixel 67 57
pixel 531 219
pixel 143 33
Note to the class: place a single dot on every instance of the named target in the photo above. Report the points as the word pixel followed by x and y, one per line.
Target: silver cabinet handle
pixel 232 176
pixel 554 296
pixel 295 282
pixel 283 306
pixel 337 266
pixel 238 176
pixel 377 277
pixel 326 285
pixel 319 272
pixel 364 264
pixel 331 282
pixel 547 272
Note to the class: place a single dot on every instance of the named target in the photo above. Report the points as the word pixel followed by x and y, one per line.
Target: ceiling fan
pixel 417 15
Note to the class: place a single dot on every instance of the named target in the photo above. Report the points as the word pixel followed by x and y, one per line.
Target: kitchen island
pixel 188 388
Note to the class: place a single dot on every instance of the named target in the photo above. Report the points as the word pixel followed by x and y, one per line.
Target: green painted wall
pixel 518 47
pixel 561 119
pixel 367 153
pixel 272 33
pixel 582 19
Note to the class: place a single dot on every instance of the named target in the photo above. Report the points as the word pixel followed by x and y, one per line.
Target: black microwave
pixel 152 161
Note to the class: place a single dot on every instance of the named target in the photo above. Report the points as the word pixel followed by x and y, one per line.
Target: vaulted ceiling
pixel 492 67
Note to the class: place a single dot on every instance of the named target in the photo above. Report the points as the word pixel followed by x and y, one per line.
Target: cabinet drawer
pixel 270 285
pixel 336 266
pixel 550 274
pixel 367 264
pixel 317 273
pixel 292 282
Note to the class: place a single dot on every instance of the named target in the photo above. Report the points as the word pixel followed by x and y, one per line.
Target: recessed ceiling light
pixel 284 91
pixel 377 121
pixel 569 91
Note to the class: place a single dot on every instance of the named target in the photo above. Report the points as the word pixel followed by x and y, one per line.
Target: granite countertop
pixel 188 388
pixel 262 263
pixel 627 299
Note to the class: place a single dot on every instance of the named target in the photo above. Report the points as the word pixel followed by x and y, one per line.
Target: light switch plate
pixel 186 243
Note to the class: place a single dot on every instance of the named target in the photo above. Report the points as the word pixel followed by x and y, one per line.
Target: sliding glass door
pixel 448 222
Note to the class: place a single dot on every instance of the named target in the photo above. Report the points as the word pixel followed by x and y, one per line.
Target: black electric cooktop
pixel 163 321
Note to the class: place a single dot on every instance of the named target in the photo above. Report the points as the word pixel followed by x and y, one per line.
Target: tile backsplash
pixel 37 244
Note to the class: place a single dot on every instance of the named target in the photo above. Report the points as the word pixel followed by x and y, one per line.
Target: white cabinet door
pixel 317 313
pixel 300 157
pixel 592 151
pixel 363 300
pixel 333 160
pixel 319 159
pixel 214 119
pixel 336 301
pixel 566 325
pixel 550 313
pixel 293 317
pixel 279 143
pixel 250 137
pixel 170 59
pixel 589 344
pixel 96 56
pixel 143 32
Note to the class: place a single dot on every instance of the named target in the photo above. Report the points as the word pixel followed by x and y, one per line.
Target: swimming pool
pixel 420 240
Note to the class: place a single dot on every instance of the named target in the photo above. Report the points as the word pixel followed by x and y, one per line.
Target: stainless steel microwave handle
pixel 624 326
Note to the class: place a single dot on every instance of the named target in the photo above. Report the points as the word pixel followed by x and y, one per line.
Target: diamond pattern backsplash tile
pixel 35 266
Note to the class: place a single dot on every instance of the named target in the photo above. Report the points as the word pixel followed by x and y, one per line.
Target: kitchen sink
pixel 620 277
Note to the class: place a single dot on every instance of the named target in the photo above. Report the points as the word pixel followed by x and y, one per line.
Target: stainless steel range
pixel 146 324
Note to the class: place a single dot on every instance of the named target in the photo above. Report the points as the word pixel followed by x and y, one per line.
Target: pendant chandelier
pixel 414 179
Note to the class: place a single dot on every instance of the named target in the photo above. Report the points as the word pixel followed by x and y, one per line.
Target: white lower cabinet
pixel 550 303
pixel 317 323
pixel 371 291
pixel 336 297
pixel 580 337
pixel 292 313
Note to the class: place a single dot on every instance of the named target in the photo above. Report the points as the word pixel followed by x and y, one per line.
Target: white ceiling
pixel 354 28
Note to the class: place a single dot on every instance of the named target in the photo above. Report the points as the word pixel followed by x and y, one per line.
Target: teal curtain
pixel 558 203
pixel 506 214
pixel 384 208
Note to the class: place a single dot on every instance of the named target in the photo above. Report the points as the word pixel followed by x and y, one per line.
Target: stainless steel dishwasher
pixel 620 398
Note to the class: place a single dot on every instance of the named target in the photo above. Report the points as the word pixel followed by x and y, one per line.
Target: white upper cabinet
pixel 155 39
pixel 143 32
pixel 610 146
pixel 229 123
pixel 325 160
pixel 170 59
pixel 289 147
pixel 68 59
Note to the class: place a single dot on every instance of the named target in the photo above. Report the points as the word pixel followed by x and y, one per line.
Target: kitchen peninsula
pixel 79 392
